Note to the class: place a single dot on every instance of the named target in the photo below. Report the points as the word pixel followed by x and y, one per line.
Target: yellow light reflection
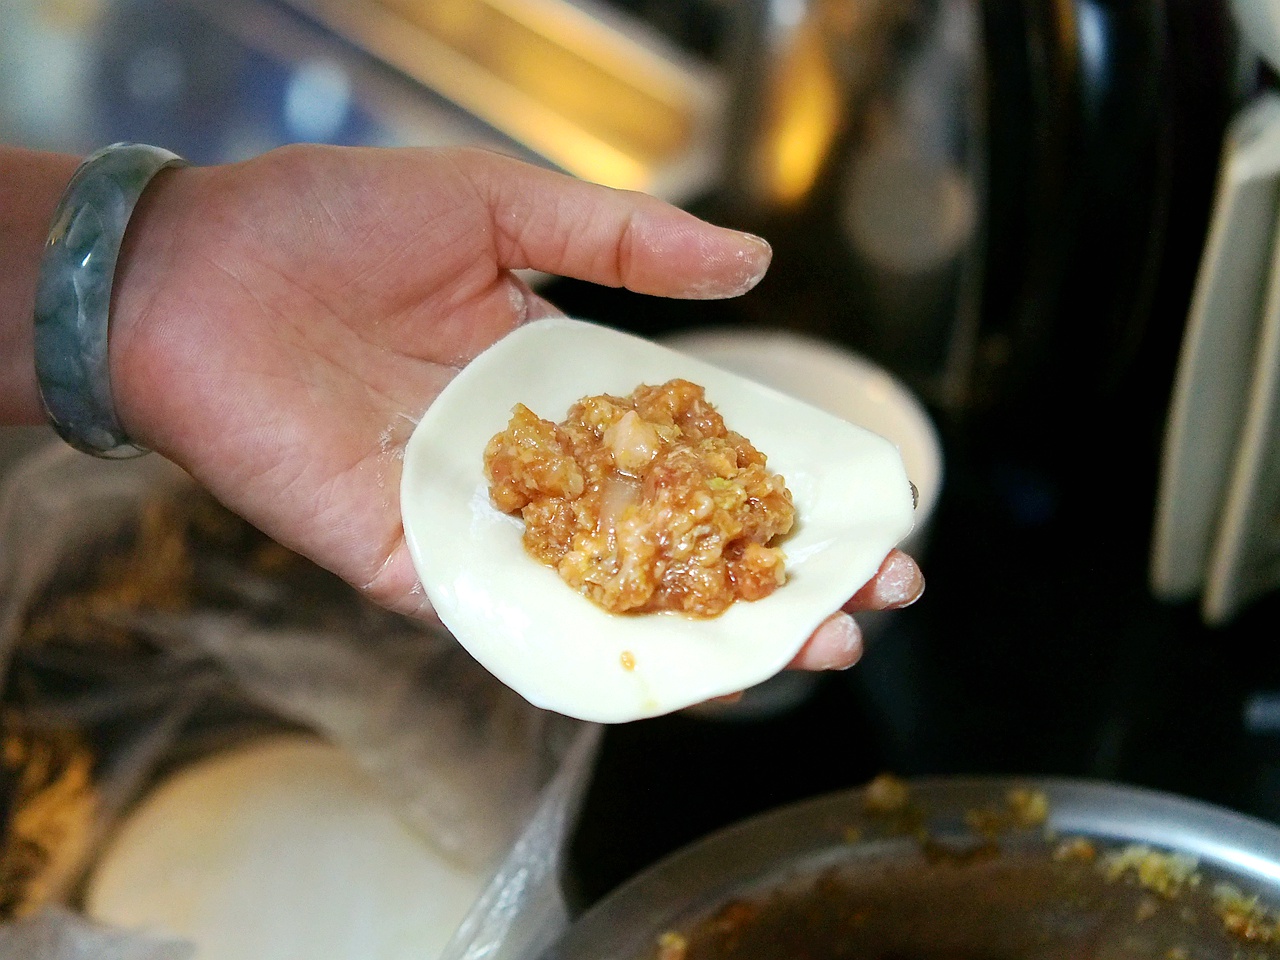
pixel 804 119
pixel 576 92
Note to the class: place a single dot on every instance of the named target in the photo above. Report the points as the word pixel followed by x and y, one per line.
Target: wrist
pixel 32 183
pixel 149 256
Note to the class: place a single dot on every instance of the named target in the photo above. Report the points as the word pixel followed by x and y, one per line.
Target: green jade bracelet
pixel 73 296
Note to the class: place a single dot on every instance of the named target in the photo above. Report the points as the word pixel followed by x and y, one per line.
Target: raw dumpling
pixel 852 500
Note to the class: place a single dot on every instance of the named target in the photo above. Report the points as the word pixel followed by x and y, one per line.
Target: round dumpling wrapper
pixel 279 849
pixel 554 646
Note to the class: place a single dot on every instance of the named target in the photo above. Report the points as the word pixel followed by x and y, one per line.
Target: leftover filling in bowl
pixel 645 503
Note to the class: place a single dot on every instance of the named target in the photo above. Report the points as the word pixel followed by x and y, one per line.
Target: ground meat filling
pixel 644 503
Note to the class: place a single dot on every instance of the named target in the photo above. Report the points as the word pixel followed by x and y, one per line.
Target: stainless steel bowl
pixel 964 870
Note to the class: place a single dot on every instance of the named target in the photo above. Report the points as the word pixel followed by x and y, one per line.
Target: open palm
pixel 280 325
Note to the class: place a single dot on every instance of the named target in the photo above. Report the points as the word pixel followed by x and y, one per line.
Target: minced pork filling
pixel 644 503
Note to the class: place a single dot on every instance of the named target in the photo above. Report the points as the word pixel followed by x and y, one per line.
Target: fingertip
pixel 728 698
pixel 835 645
pixel 734 263
pixel 897 584
pixel 668 252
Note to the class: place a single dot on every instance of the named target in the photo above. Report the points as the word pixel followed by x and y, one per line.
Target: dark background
pixel 1037 647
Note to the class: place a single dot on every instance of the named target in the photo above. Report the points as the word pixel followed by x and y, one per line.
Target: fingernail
pixel 751 259
pixel 758 249
pixel 842 638
pixel 756 256
pixel 518 297
pixel 899 583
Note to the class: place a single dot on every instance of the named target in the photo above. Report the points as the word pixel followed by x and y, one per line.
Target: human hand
pixel 280 325
pixel 837 643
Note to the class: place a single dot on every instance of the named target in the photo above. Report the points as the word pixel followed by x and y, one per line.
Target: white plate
pixel 556 648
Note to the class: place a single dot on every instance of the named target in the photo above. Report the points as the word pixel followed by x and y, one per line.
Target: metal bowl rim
pixel 1239 847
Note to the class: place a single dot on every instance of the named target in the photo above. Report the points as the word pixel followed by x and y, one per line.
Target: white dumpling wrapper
pixel 280 849
pixel 551 644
